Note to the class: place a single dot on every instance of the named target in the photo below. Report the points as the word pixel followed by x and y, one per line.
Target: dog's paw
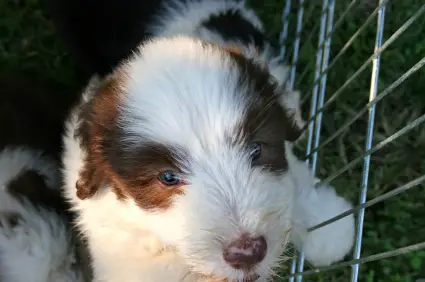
pixel 329 243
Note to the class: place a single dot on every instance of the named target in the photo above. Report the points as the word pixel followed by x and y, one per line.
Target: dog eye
pixel 254 150
pixel 168 177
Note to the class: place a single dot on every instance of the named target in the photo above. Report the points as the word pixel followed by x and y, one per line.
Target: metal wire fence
pixel 314 66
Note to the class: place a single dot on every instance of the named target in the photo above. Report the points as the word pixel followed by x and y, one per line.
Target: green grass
pixel 28 43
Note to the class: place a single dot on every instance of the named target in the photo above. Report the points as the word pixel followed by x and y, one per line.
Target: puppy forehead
pixel 186 93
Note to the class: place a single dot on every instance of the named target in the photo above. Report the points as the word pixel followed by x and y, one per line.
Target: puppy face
pixel 190 139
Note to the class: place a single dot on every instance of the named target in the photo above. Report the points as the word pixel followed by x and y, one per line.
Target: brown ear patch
pixel 129 170
pixel 270 94
pixel 293 132
pixel 266 120
pixel 91 179
pixel 97 117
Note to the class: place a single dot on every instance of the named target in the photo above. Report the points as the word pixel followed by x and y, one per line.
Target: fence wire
pixel 324 62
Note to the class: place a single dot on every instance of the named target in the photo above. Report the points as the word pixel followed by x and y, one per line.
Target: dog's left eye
pixel 254 150
pixel 168 177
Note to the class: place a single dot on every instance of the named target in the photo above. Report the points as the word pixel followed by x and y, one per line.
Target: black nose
pixel 245 252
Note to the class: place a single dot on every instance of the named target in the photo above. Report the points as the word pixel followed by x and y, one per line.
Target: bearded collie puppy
pixel 181 150
pixel 178 157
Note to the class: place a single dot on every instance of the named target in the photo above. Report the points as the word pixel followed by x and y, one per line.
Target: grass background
pixel 29 45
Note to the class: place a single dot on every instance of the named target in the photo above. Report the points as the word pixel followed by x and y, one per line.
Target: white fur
pixel 313 206
pixel 38 248
pixel 13 160
pixel 185 18
pixel 167 85
pixel 184 95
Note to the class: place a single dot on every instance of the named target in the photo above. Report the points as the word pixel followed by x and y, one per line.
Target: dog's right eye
pixel 168 177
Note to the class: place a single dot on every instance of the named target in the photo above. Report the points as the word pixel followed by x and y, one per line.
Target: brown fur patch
pixel 130 171
pixel 98 117
pixel 139 170
pixel 233 49
pixel 266 121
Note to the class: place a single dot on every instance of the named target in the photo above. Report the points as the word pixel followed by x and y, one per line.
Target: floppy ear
pixel 90 180
pixel 289 99
pixel 97 114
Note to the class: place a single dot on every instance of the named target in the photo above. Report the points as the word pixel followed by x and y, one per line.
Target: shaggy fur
pixel 35 240
pixel 202 97
pixel 313 206
pixel 187 86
